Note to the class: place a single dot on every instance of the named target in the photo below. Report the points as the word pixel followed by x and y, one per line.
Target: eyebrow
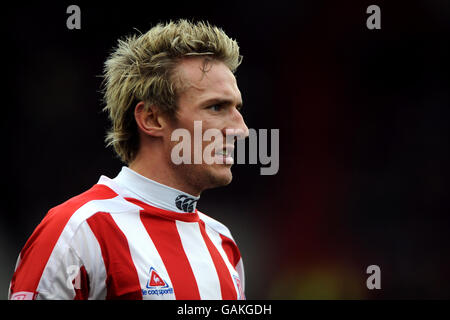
pixel 222 102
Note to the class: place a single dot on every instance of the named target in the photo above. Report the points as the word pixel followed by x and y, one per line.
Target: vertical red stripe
pixel 231 250
pixel 81 285
pixel 226 282
pixel 37 250
pixel 122 281
pixel 167 241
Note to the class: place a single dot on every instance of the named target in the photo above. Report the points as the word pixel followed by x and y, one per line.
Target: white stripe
pixel 143 252
pixel 217 241
pixel 53 283
pixel 215 225
pixel 240 270
pixel 92 260
pixel 61 269
pixel 200 260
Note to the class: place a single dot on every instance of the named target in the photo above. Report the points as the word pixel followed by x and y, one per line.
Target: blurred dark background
pixel 364 136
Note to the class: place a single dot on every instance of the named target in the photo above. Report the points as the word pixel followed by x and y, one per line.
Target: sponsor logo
pixel 24 295
pixel 156 285
pixel 185 203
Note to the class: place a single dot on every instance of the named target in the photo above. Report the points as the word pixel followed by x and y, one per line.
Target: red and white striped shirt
pixel 129 238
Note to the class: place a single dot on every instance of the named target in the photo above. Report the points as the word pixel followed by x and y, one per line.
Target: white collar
pixel 154 193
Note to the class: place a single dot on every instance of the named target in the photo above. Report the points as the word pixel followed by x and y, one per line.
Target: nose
pixel 236 125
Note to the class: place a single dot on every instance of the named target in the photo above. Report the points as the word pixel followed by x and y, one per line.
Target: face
pixel 210 94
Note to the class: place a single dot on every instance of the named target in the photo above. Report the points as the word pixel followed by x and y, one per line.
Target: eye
pixel 216 107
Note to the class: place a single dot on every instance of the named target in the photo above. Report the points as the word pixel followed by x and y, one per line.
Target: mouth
pixel 224 155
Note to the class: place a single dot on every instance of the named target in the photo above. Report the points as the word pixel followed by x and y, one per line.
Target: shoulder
pixel 227 243
pixel 63 238
pixel 68 216
pixel 98 198
pixel 217 226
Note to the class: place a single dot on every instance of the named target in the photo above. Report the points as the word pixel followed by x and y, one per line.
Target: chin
pixel 203 177
pixel 220 176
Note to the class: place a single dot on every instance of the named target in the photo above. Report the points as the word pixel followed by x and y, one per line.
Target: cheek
pixel 175 129
pixel 196 135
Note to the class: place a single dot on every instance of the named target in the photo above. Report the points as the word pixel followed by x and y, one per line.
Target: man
pixel 139 235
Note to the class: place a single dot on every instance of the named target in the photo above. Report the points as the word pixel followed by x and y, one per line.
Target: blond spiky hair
pixel 141 68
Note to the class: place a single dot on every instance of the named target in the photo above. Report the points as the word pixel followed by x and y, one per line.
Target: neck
pixel 154 165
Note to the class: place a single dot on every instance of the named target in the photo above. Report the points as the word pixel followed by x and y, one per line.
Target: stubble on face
pixel 199 77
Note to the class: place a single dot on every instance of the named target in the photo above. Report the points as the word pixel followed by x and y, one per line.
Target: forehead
pixel 203 80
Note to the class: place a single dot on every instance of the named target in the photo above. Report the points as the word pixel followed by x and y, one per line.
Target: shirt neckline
pixel 154 193
pixel 171 215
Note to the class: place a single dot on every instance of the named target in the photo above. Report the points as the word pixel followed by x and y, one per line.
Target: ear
pixel 149 119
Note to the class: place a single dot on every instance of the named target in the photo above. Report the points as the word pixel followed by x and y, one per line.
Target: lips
pixel 225 155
